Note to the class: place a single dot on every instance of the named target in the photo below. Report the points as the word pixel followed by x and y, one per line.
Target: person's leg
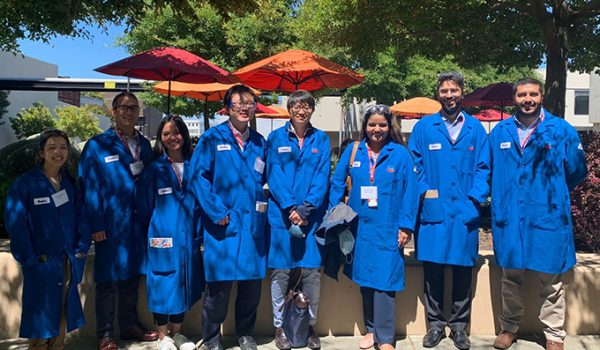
pixel 311 286
pixel 58 342
pixel 279 285
pixel 462 296
pixel 106 295
pixel 214 310
pixel 180 340
pixel 161 322
pixel 434 294
pixel 512 300
pixel 552 311
pixel 384 320
pixel 127 291
pixel 176 321
pixel 246 305
pixel 367 305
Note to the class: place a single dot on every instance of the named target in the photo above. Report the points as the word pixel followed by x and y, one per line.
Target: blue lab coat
pixel 108 193
pixel 296 176
pixel 38 228
pixel 229 182
pixel 531 208
pixel 378 262
pixel 169 220
pixel 448 230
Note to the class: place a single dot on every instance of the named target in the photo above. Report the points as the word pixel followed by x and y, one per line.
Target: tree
pixel 78 122
pixel 4 103
pixel 32 120
pixel 499 33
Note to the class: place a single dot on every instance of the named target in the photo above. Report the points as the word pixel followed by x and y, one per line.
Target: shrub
pixel 32 120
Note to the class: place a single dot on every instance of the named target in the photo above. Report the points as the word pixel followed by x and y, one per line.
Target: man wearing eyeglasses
pixel 109 166
pixel 229 173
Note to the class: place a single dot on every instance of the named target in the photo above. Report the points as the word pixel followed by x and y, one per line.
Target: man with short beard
pixel 536 159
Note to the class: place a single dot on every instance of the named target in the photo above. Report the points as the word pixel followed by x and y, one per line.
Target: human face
pixel 55 152
pixel 449 94
pixel 241 109
pixel 301 113
pixel 377 129
pixel 528 98
pixel 126 114
pixel 171 138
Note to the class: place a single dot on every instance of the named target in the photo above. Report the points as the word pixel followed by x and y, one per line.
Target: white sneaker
pixel 183 343
pixel 166 343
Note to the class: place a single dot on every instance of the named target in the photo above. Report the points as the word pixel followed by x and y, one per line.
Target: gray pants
pixel 310 285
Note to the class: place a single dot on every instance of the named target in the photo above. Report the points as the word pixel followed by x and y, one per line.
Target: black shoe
pixel 433 337
pixel 460 339
pixel 214 346
pixel 247 343
pixel 313 340
pixel 281 340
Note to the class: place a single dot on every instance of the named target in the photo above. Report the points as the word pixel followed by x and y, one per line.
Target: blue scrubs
pixel 108 187
pixel 41 235
pixel 169 218
pixel 459 171
pixel 378 262
pixel 296 176
pixel 531 208
pixel 229 182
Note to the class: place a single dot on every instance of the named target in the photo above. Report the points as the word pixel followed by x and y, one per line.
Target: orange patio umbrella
pixel 291 70
pixel 280 113
pixel 416 108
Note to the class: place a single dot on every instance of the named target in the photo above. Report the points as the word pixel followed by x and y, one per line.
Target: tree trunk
pixel 556 79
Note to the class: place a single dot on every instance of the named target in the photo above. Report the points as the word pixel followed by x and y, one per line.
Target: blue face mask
pixel 296 231
pixel 346 239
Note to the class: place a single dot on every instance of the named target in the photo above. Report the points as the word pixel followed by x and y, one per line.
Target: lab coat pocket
pixel 162 260
pixel 235 224
pixel 42 275
pixel 499 214
pixel 546 216
pixel 432 211
pixel 471 216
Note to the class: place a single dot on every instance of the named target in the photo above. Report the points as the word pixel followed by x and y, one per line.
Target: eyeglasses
pixel 297 108
pixel 128 108
pixel 238 105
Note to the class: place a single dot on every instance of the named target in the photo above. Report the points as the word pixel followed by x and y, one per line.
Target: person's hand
pixel 224 221
pixel 295 218
pixel 99 236
pixel 303 223
pixel 404 236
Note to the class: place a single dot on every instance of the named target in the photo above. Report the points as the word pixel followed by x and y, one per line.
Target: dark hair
pixel 299 97
pixel 527 81
pixel 46 135
pixel 395 132
pixel 237 90
pixel 454 76
pixel 159 148
pixel 115 101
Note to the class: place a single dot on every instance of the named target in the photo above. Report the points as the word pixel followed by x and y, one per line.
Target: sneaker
pixel 183 343
pixel 166 343
pixel 247 343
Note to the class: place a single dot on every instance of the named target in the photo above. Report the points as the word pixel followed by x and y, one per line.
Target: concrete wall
pixel 595 101
pixel 340 303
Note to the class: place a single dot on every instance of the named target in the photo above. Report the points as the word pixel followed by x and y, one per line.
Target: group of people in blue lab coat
pixel 150 212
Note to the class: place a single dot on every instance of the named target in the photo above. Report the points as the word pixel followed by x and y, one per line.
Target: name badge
pixel 284 149
pixel 435 146
pixel 259 165
pixel 165 190
pixel 161 242
pixel 110 159
pixel 224 147
pixel 368 192
pixel 580 146
pixel 356 165
pixel 60 198
pixel 41 200
pixel 261 207
pixel 136 167
pixel 505 145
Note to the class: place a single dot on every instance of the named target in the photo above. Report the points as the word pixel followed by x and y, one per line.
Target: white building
pixel 595 101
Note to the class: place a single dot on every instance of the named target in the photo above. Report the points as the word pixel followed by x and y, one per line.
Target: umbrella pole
pixel 169 99
pixel 128 79
pixel 206 122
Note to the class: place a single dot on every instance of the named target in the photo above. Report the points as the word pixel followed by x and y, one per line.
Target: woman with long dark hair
pixel 49 237
pixel 167 213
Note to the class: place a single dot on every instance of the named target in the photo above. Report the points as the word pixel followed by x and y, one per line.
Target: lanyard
pixel 136 149
pixel 300 141
pixel 537 123
pixel 179 176
pixel 238 136
pixel 372 163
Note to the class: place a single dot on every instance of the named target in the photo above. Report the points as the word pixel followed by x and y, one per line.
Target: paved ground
pixel 343 343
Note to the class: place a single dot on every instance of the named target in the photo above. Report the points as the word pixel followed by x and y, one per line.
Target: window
pixel 582 102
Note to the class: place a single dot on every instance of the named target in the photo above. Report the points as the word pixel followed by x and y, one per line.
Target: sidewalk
pixel 412 342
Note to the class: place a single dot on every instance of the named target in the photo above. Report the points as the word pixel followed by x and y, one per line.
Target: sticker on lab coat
pixel 161 242
pixel 391 169
pixel 368 192
pixel 314 150
pixel 435 146
pixel 356 165
pixel 505 145
pixel 259 165
pixel 261 207
pixel 223 147
pixel 580 146
pixel 136 167
pixel 60 198
pixel 41 200
pixel 165 190
pixel 284 149
pixel 110 159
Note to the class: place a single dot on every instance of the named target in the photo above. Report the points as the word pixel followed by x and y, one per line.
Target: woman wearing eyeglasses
pixel 49 237
pixel 385 198
pixel 298 166
pixel 228 174
pixel 169 220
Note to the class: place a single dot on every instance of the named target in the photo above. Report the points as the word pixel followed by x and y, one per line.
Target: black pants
pixel 162 319
pixel 108 296
pixel 379 314
pixel 216 302
pixel 462 278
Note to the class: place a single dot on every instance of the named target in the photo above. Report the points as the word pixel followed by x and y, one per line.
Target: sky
pixel 77 57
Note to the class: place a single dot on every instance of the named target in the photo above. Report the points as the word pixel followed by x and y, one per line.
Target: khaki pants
pixel 58 342
pixel 552 310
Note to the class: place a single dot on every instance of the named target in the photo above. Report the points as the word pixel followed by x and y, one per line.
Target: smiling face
pixel 126 114
pixel 241 109
pixel 55 152
pixel 171 138
pixel 450 95
pixel 377 129
pixel 528 98
pixel 301 113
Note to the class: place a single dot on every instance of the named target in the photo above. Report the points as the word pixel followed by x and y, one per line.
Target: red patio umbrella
pixel 297 69
pixel 260 109
pixel 494 95
pixel 169 64
pixel 489 115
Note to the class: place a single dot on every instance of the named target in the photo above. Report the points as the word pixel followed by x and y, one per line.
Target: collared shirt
pixel 300 140
pixel 524 131
pixel 133 142
pixel 243 137
pixel 455 126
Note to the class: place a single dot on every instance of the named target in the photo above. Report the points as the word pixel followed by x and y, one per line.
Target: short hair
pixel 159 147
pixel 454 76
pixel 115 101
pixel 300 97
pixel 527 81
pixel 237 90
pixel 387 113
